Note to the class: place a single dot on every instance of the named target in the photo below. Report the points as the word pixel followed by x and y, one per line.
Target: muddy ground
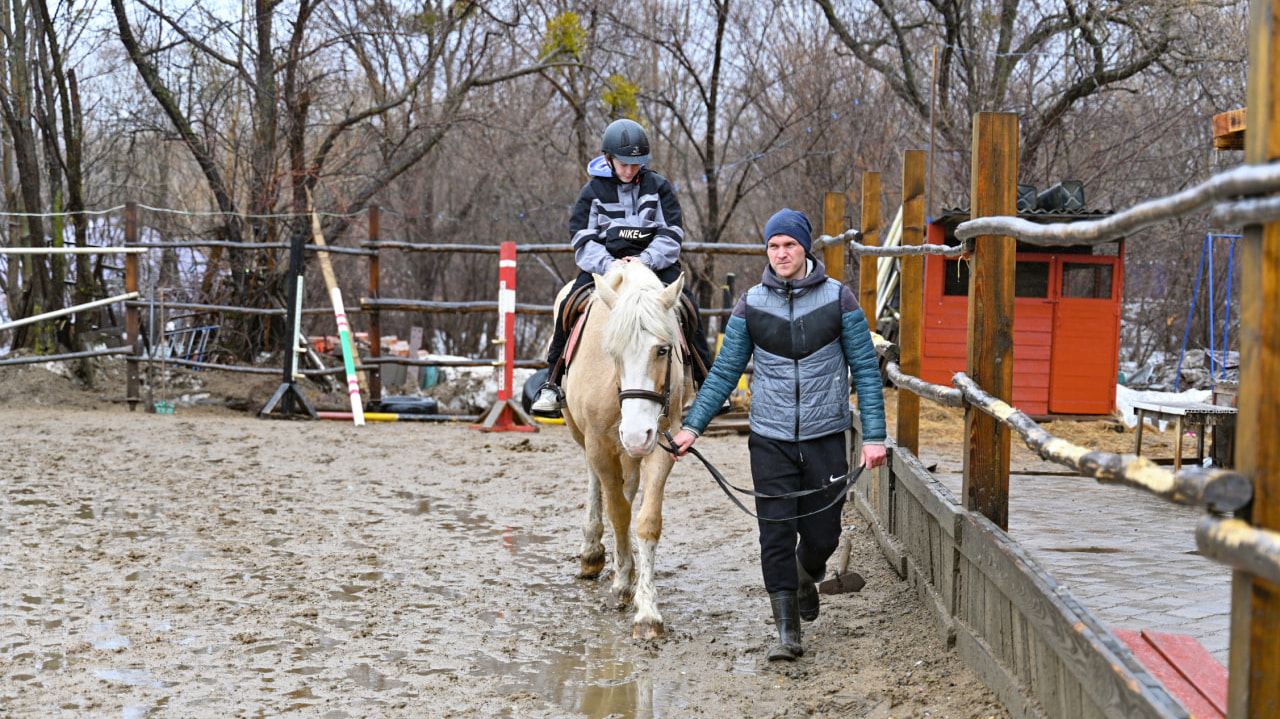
pixel 210 563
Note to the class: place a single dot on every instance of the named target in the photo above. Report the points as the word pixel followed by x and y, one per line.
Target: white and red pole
pixel 506 415
pixel 506 317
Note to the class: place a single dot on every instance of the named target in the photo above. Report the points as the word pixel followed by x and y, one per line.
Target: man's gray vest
pixel 800 386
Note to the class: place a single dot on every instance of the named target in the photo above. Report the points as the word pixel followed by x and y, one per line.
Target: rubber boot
pixel 786 615
pixel 807 594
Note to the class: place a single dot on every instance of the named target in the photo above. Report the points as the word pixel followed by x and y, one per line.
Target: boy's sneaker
pixel 549 402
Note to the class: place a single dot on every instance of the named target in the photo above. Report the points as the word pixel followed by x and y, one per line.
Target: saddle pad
pixel 571 347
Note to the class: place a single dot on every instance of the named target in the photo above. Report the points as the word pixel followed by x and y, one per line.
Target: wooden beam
pixel 870 237
pixel 911 316
pixel 132 322
pixel 375 291
pixel 1255 612
pixel 990 347
pixel 1228 130
pixel 833 224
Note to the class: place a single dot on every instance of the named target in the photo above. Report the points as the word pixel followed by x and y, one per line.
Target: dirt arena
pixel 211 564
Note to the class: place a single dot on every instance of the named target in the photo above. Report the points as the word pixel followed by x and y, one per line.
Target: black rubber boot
pixel 807 594
pixel 786 615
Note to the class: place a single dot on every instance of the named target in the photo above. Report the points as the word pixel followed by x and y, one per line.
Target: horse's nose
pixel 638 443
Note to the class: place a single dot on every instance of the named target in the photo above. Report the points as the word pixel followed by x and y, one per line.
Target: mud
pixel 209 564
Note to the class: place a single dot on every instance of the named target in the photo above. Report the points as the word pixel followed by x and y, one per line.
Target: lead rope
pixel 847 481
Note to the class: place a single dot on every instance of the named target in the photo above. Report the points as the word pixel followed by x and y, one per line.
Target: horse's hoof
pixel 621 598
pixel 590 567
pixel 646 630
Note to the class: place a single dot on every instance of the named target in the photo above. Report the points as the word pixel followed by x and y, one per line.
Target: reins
pixel 847 481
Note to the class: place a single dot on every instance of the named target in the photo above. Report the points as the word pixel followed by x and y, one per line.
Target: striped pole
pixel 344 331
pixel 506 414
pixel 506 317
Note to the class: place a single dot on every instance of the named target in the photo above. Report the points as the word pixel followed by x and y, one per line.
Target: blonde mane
pixel 638 311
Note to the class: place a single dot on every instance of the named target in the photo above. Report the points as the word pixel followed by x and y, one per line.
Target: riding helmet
pixel 627 141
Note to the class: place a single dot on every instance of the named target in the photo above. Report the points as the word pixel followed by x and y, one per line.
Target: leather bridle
pixel 663 398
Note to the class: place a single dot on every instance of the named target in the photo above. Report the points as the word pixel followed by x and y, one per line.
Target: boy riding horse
pixel 625 213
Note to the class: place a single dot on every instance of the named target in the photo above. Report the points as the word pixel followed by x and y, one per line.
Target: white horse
pixel 626 384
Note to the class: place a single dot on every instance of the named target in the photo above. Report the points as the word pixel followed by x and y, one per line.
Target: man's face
pixel 786 257
pixel 626 173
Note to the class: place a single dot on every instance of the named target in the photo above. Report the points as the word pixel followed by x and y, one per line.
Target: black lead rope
pixel 725 485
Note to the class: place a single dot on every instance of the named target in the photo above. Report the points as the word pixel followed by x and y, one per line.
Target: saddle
pixel 576 308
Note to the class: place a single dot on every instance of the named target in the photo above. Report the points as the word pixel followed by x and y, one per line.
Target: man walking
pixel 807 335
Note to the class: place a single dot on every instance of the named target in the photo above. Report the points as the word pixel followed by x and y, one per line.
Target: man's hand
pixel 683 440
pixel 873 455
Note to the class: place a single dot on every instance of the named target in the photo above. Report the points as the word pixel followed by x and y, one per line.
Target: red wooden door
pixel 1086 334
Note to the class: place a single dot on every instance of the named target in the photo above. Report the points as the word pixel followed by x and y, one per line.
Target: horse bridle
pixel 663 398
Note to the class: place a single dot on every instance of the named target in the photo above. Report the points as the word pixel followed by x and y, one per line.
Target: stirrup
pixel 550 409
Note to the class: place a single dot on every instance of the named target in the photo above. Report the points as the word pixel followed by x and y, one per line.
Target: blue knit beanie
pixel 793 224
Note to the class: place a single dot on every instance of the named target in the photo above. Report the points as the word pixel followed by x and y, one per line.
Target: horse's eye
pixel 662 351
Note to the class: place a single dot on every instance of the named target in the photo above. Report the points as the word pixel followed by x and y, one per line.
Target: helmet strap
pixel 609 159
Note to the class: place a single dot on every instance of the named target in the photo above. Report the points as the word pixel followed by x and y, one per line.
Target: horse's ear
pixel 605 290
pixel 671 295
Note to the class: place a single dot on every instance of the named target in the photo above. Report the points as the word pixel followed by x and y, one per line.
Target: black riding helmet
pixel 626 141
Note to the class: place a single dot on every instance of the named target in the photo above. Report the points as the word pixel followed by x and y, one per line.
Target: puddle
pixel 590 680
pixel 1085 550
pixel 132 677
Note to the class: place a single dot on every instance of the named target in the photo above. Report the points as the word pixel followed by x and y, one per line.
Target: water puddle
pixel 588 679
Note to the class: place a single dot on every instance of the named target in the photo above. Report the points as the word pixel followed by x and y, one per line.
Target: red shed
pixel 1066 323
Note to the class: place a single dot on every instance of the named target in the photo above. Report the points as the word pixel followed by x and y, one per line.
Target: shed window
pixel 1031 279
pixel 955 278
pixel 1086 280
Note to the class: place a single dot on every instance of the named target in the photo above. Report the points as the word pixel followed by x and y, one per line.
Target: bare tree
pixel 387 82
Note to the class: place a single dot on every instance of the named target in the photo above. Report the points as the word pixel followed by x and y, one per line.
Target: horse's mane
pixel 638 311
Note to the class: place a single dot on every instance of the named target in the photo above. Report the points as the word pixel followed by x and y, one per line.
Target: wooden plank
pixel 870 238
pixel 1194 664
pixel 889 545
pixel 910 327
pixel 1167 672
pixel 977 654
pixel 1229 129
pixel 991 306
pixel 1258 430
pixel 1046 683
pixel 1225 123
pixel 934 498
pixel 833 223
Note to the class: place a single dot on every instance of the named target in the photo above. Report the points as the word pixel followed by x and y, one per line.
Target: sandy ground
pixel 210 563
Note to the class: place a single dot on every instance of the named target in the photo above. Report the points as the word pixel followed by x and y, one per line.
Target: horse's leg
pixel 648 621
pixel 618 505
pixel 591 555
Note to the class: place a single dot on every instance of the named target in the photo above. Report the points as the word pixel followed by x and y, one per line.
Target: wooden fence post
pixel 131 323
pixel 833 224
pixel 375 317
pixel 990 351
pixel 867 265
pixel 911 305
pixel 1255 605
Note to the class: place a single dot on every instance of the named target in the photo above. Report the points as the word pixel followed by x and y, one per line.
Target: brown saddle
pixel 576 308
